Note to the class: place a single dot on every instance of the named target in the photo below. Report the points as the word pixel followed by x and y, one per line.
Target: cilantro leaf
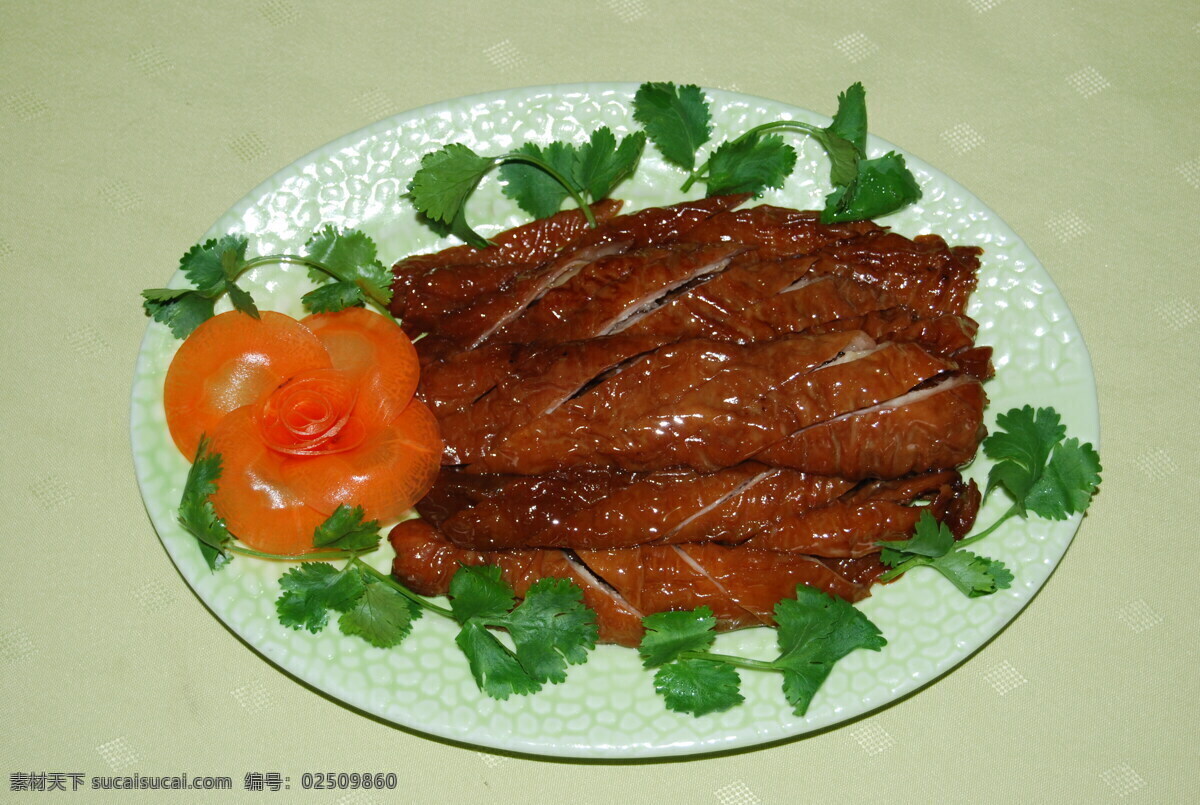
pixel 843 156
pixel 346 530
pixel 351 257
pixel 698 686
pixel 930 539
pixel 1042 472
pixel 1020 449
pixel 332 297
pixel 973 575
pixel 440 188
pixel 196 513
pixel 182 310
pixel 1068 483
pixel 312 589
pixel 750 164
pixel 477 591
pixel 883 185
pixel 850 121
pixel 381 616
pixel 933 545
pixel 552 628
pixel 536 191
pixel 209 266
pixel 241 300
pixel 603 164
pixel 669 634
pixel 496 669
pixel 816 630
pixel 677 120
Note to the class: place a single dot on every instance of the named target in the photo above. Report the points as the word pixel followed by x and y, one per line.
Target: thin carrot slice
pixel 373 350
pixel 229 361
pixel 252 493
pixel 389 472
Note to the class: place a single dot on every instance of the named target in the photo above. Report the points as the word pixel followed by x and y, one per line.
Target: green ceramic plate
pixel 608 708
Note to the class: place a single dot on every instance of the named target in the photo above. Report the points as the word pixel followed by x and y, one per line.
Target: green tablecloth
pixel 129 127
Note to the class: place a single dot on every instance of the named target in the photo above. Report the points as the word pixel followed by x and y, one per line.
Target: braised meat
pixel 694 404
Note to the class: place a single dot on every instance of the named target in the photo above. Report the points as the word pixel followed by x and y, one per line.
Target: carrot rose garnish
pixel 306 416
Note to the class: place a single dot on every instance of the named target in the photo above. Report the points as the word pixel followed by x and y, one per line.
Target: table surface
pixel 129 127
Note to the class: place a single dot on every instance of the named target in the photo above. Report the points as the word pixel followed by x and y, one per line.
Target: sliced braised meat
pixel 533 383
pixel 861 570
pixel 877 512
pixel 635 412
pixel 759 394
pixel 936 427
pixel 689 405
pixel 777 232
pixel 655 225
pixel 601 509
pixel 426 562
pixel 608 293
pixel 740 585
pixel 923 273
pixel 774 509
pixel 428 286
pixel 481 318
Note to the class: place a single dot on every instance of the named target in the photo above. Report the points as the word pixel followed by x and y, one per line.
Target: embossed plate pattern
pixel 608 708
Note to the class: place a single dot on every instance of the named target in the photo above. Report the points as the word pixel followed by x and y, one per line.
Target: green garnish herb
pixel 814 631
pixel 538 178
pixel 677 120
pixel 549 629
pixel 344 261
pixel 1044 473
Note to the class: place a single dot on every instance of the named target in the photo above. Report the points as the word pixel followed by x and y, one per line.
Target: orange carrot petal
pixel 390 471
pixel 229 361
pixel 362 344
pixel 257 504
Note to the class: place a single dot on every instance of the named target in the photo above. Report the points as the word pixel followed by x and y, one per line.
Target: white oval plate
pixel 608 707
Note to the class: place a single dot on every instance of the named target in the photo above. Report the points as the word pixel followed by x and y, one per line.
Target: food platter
pixel 608 707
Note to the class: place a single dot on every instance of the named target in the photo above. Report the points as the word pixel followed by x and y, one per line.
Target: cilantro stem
pixel 308 262
pixel 792 125
pixel 729 659
pixel 576 193
pixel 975 538
pixel 419 600
pixel 296 557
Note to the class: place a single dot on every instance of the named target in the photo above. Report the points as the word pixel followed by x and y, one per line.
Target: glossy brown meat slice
pixel 630 419
pixel 478 320
pixel 535 381
pixel 875 512
pixel 428 286
pixel 760 394
pixel 426 562
pixel 601 509
pixel 923 273
pixel 776 232
pixel 740 585
pixel 772 508
pixel 605 294
pixel 936 427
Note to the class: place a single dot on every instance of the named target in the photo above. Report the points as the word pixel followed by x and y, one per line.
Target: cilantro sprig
pixel 538 178
pixel 549 629
pixel 343 262
pixel 678 122
pixel 1042 471
pixel 813 631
